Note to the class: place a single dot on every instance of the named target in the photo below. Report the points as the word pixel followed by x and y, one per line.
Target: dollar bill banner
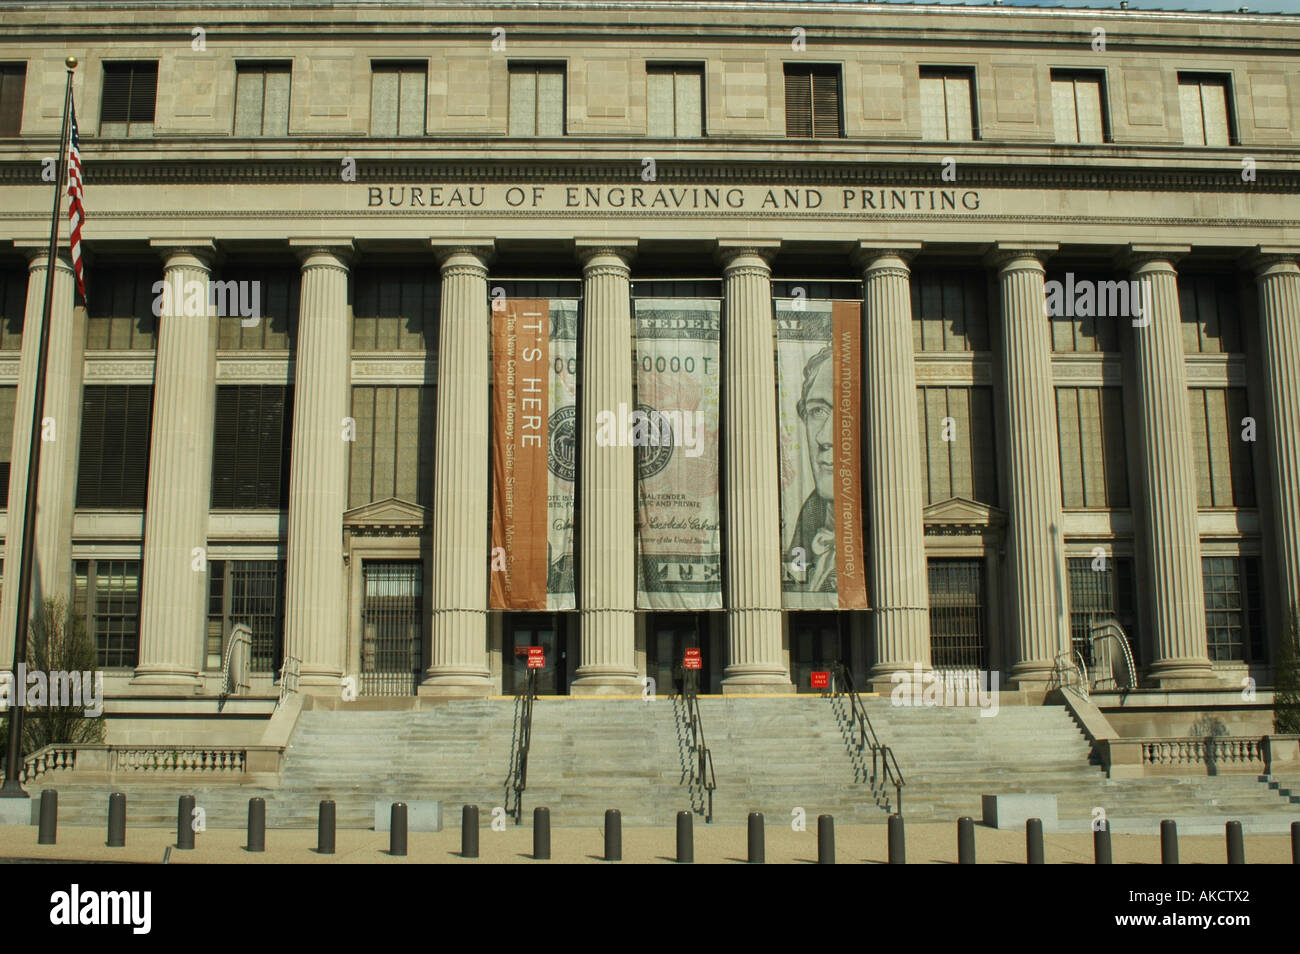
pixel 674 429
pixel 534 442
pixel 819 402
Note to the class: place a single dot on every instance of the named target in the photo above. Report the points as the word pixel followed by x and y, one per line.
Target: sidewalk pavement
pixel 926 844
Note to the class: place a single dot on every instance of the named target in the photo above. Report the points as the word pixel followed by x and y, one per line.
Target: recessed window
pixel 13 79
pixel 1078 106
pixel 262 99
pixel 812 101
pixel 249 592
pixel 537 99
pixel 130 95
pixel 1206 105
pixel 113 462
pixel 119 312
pixel 1097 593
pixel 1094 467
pixel 397 94
pixel 107 592
pixel 250 447
pixel 947 104
pixel 392 455
pixel 1225 473
pixel 675 97
pixel 958 451
pixel 1234 613
pixel 957 623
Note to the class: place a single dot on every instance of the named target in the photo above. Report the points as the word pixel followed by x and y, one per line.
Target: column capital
pixel 605 253
pixel 464 252
pixel 1152 258
pixel 1266 260
pixel 747 253
pixel 324 252
pixel 1019 256
pixel 877 256
pixel 185 253
pixel 38 251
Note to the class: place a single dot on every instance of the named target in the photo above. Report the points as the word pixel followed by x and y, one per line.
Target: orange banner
pixel 850 552
pixel 520 412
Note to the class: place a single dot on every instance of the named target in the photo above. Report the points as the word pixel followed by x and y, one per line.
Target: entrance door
pixel 667 637
pixel 392 628
pixel 817 640
pixel 522 630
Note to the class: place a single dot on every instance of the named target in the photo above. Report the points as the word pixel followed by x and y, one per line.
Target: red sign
pixel 537 650
pixel 536 662
pixel 692 660
pixel 821 680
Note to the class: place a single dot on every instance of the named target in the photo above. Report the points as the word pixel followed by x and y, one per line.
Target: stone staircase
pixel 773 755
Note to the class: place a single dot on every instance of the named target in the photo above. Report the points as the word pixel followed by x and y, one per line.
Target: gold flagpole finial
pixel 72 62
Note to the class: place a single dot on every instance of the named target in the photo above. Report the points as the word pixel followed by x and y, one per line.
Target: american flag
pixel 76 213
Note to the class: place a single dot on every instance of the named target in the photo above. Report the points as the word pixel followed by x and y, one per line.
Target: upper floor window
pixel 397 99
pixel 947 104
pixel 130 94
pixel 1234 615
pixel 251 446
pixel 395 308
pixel 536 99
pixel 13 307
pixel 13 80
pixel 262 99
pixel 113 462
pixel 119 314
pixel 257 307
pixel 1206 108
pixel 675 97
pixel 1211 322
pixel 1078 106
pixel 812 101
pixel 949 310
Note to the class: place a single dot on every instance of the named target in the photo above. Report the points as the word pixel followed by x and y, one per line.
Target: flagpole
pixel 12 787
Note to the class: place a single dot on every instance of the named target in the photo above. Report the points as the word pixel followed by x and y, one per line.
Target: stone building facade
pixel 322 471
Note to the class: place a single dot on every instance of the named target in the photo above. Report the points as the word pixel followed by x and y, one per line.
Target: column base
pixel 742 680
pixel 172 678
pixel 1036 675
pixel 1186 673
pixel 884 679
pixel 606 683
pixel 456 685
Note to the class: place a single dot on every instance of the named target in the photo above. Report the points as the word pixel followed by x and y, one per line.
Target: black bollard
pixel 613 835
pixel 757 849
pixel 469 831
pixel 1101 845
pixel 397 830
pixel 185 822
pixel 325 829
pixel 1295 843
pixel 897 841
pixel 1033 841
pixel 541 834
pixel 965 840
pixel 1168 843
pixel 117 820
pixel 685 839
pixel 49 830
pixel 257 824
pixel 825 840
pixel 1236 846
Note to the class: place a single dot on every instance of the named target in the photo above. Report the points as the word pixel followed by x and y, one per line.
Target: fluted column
pixel 458 654
pixel 173 585
pixel 900 586
pixel 1035 536
pixel 314 627
pixel 1176 591
pixel 1278 278
pixel 751 469
pixel 58 454
pixel 606 489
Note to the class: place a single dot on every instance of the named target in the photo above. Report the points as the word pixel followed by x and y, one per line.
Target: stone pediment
pixel 393 514
pixel 963 512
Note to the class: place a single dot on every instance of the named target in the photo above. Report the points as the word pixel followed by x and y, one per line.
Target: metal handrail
pixel 518 781
pixel 240 635
pixel 1110 628
pixel 290 673
pixel 882 756
pixel 703 756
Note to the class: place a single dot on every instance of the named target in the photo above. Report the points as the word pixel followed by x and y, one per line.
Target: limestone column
pixel 751 470
pixel 606 488
pixel 900 584
pixel 314 625
pixel 458 654
pixel 1169 531
pixel 52 547
pixel 1035 536
pixel 1278 278
pixel 173 584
